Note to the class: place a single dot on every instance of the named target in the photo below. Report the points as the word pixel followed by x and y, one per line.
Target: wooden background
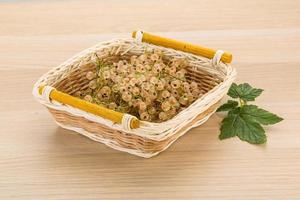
pixel 39 160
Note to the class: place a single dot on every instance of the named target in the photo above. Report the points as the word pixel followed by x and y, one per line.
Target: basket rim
pixel 211 97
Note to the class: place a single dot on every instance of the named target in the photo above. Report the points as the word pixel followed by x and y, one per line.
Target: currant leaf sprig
pixel 243 120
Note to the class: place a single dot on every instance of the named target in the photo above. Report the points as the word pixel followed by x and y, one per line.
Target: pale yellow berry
pixel 196 91
pixel 175 84
pixel 112 70
pixel 183 100
pixel 160 85
pixel 190 97
pixel 112 105
pixel 129 87
pixel 152 93
pixel 126 96
pixel 177 105
pixel 194 85
pixel 135 102
pixel 88 98
pixel 140 68
pixel 165 94
pixel 145 116
pixel 106 74
pixel 148 101
pixel 176 62
pixel 165 106
pixel 175 93
pixel 115 88
pixel 171 70
pixel 153 80
pixel 123 89
pixel 152 110
pixel 144 93
pixel 125 80
pixel 106 89
pixel 130 104
pixel 172 112
pixel 148 67
pixel 181 73
pixel 186 86
pixel 113 75
pixel 146 86
pixel 104 93
pixel 133 59
pixel 120 64
pixel 143 57
pixel 131 75
pixel 125 67
pixel 154 57
pixel 78 93
pixel 115 65
pixel 141 79
pixel 142 106
pixel 90 75
pixel 133 81
pixel 152 87
pixel 116 79
pixel 169 87
pixel 135 91
pixel 163 116
pixel 173 101
pixel 93 84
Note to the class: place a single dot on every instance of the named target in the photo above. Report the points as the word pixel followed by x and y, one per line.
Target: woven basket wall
pixel 150 138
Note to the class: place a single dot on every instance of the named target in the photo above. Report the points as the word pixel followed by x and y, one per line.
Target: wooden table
pixel 39 160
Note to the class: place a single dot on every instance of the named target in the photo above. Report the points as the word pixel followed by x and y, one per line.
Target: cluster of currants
pixel 146 86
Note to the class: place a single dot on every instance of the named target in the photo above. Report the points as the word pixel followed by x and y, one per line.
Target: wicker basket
pixel 117 130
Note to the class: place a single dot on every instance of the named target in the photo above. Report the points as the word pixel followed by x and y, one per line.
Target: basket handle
pixel 127 121
pixel 179 45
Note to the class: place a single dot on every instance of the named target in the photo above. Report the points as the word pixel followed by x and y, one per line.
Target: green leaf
pixel 244 91
pixel 245 121
pixel 251 132
pixel 228 106
pixel 247 130
pixel 228 126
pixel 255 114
pixel 232 92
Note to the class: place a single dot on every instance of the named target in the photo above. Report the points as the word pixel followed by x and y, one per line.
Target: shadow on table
pixel 199 151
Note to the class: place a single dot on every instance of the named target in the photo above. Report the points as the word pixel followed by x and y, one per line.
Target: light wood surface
pixel 39 160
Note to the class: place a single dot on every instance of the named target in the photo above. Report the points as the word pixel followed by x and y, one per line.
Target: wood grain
pixel 39 160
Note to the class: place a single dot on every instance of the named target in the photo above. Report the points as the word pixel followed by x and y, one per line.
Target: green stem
pixel 242 102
